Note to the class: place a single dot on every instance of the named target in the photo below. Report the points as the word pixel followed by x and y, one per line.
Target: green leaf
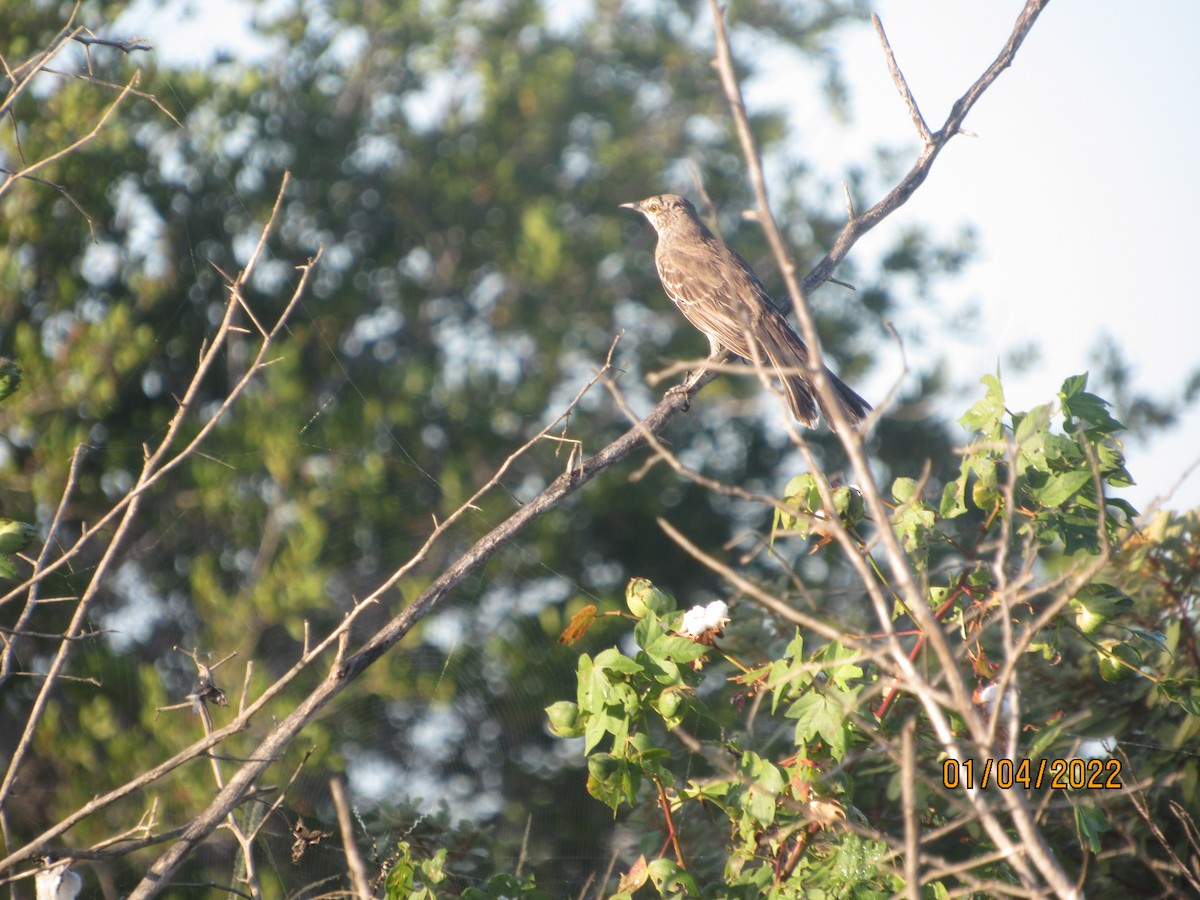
pixel 671 880
pixel 834 655
pixel 1090 823
pixel 434 869
pixel 1072 386
pixel 986 491
pixel 402 875
pixel 1079 404
pixel 1031 431
pixel 647 630
pixel 817 715
pixel 15 536
pixel 954 496
pixel 904 489
pixel 1058 489
pixel 1124 505
pixel 764 782
pixel 584 683
pixel 675 648
pixel 915 524
pixel 802 493
pixel 612 780
pixel 1097 603
pixel 795 647
pixel 1182 692
pixel 593 732
pixel 987 415
pixel 1155 638
pixel 660 669
pixel 10 378
pixel 1117 661
pixel 614 660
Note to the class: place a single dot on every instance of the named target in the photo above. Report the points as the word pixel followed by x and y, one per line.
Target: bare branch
pixel 27 70
pixel 156 465
pixel 126 45
pixel 353 666
pixel 354 861
pixel 75 145
pixel 860 225
pixel 1032 842
pixel 901 85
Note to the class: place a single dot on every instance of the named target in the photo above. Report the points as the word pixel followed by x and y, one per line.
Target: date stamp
pixel 1075 774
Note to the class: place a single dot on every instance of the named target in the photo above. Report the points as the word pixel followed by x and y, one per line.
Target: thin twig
pixel 76 144
pixel 126 45
pixel 354 861
pixel 901 85
pixel 1033 844
pixel 908 799
pixel 860 225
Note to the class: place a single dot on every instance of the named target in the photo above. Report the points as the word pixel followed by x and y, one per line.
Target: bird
pixel 718 293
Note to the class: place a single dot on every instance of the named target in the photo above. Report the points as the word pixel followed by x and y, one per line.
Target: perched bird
pixel 718 292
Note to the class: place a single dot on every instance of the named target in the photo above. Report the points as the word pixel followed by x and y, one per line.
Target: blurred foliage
pixel 461 164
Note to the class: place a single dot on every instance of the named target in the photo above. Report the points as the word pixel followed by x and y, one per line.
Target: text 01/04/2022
pixel 1076 774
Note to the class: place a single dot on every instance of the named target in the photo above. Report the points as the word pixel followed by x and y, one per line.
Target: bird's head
pixel 664 209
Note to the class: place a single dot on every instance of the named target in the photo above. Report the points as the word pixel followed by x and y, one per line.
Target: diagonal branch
pixel 859 225
pixel 156 464
pixel 342 675
pixel 1033 848
pixel 125 45
pixel 906 93
pixel 74 145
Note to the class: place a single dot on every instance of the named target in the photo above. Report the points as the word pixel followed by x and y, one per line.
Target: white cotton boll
pixel 1097 748
pixel 58 882
pixel 986 698
pixel 718 614
pixel 693 621
pixel 700 620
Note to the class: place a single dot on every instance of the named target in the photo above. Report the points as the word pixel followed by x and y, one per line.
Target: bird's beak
pixel 636 207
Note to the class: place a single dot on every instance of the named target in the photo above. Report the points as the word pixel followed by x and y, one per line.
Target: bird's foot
pixel 680 395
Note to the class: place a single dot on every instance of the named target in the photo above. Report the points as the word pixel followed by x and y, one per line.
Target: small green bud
pixel 15 536
pixel 564 719
pixel 668 704
pixel 642 597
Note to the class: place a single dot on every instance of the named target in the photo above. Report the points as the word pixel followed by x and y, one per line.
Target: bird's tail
pixel 854 407
pixel 789 356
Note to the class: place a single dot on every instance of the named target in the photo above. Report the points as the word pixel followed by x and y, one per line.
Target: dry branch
pixel 1032 848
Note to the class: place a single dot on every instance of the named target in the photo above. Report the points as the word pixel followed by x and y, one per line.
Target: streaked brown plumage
pixel 718 292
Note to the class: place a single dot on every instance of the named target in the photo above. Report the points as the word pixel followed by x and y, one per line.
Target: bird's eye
pixel 653 206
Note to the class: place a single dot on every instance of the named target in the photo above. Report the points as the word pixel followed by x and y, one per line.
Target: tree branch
pixel 857 226
pixel 126 45
pixel 852 441
pixel 341 676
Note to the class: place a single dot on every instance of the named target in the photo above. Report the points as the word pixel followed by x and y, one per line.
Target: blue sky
pixel 1080 184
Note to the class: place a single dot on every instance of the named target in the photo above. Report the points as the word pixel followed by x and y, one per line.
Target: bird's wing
pixel 716 291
